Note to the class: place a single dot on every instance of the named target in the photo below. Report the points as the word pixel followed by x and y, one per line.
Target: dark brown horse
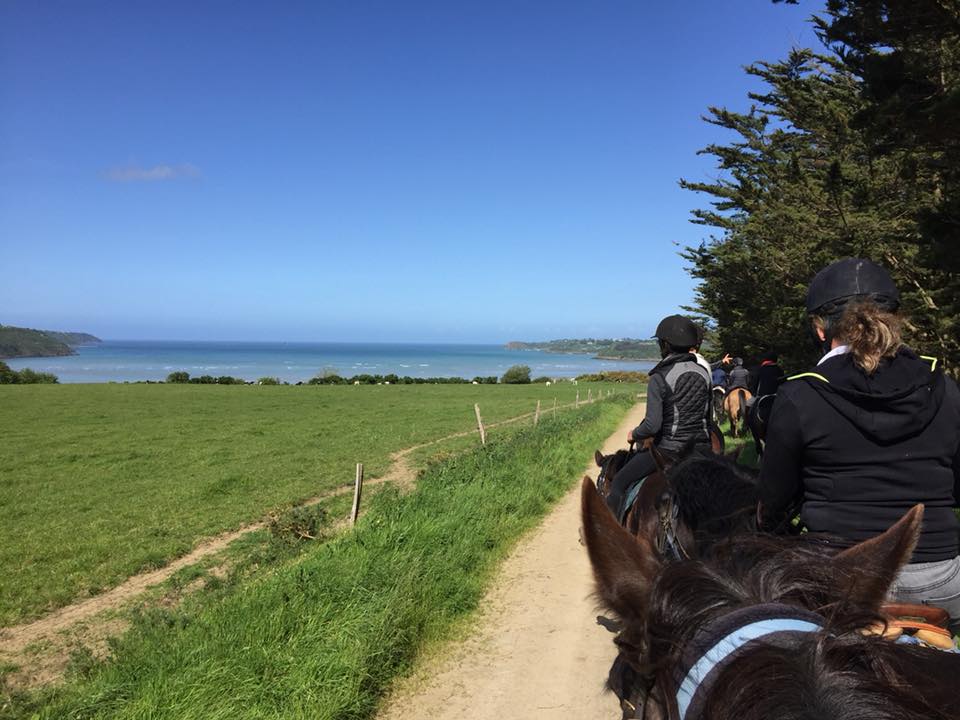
pixel 763 627
pixel 687 501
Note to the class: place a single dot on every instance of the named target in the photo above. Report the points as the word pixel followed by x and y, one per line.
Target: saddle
pixel 915 624
pixel 629 497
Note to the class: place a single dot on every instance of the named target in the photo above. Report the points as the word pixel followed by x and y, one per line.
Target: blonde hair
pixel 871 333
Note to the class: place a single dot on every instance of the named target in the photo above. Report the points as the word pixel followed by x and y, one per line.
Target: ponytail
pixel 870 332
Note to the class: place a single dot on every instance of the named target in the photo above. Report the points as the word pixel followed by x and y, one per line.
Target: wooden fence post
pixel 483 434
pixel 357 487
pixel 554 407
pixel 536 415
pixel 589 395
pixel 576 403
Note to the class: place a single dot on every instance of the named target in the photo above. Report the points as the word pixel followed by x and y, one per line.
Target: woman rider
pixel 871 431
pixel 678 405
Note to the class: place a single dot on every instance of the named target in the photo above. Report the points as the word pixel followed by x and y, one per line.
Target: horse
pixel 763 627
pixel 735 405
pixel 688 500
pixel 758 419
pixel 716 396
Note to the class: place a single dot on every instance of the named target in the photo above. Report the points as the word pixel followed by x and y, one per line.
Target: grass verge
pixel 323 635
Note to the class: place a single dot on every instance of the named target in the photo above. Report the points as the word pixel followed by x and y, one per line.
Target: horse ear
pixel 598 458
pixel 869 568
pixel 624 566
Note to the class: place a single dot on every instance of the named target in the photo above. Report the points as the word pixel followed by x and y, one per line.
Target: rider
pixel 768 376
pixel 868 433
pixel 738 377
pixel 678 405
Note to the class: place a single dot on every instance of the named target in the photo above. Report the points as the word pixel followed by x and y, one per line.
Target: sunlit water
pixel 128 361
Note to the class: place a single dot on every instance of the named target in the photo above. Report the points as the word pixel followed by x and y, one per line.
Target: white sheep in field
pixel 548 383
pixel 356 382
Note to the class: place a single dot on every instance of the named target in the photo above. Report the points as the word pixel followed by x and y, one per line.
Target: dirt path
pixel 537 650
pixel 54 630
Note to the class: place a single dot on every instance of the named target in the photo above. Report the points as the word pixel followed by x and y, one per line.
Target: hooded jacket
pixel 860 450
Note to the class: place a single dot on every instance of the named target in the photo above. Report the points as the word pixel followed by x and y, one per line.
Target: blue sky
pixel 358 170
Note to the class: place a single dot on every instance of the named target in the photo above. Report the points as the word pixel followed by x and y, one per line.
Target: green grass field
pixel 322 635
pixel 99 482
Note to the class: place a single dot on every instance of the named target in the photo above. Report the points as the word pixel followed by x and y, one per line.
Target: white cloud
pixel 134 173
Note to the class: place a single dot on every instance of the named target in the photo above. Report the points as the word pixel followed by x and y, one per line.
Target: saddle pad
pixel 629 498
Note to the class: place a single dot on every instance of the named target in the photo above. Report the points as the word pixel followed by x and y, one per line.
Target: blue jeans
pixel 931 583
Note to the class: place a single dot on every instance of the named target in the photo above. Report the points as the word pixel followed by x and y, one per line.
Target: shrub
pixel 619 376
pixel 488 380
pixel 8 376
pixel 516 375
pixel 31 377
pixel 298 524
pixel 178 377
pixel 268 381
pixel 542 379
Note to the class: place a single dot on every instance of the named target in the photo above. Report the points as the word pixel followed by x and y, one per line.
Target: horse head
pixel 675 614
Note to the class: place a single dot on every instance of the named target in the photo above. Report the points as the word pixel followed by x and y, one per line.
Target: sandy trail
pixel 53 629
pixel 537 650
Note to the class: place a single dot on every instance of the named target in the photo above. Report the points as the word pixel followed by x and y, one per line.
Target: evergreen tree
pixel 807 180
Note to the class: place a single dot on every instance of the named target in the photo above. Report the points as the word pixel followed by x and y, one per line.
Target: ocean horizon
pixel 141 360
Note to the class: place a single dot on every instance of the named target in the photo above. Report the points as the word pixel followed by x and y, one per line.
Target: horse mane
pixel 715 495
pixel 837 674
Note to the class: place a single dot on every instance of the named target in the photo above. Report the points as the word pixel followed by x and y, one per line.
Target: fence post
pixel 576 403
pixel 483 434
pixel 554 407
pixel 589 395
pixel 357 487
pixel 536 415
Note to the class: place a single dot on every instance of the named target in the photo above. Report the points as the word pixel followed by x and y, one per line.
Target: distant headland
pixel 18 342
pixel 602 349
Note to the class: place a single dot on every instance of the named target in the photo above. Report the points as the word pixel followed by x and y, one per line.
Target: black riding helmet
pixel 678 332
pixel 851 279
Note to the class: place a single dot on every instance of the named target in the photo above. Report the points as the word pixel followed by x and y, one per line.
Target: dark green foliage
pixel 516 375
pixel 268 381
pixel 25 342
pixel 619 376
pixel 542 379
pixel 833 160
pixel 178 377
pixel 24 377
pixel 622 349
pixel 488 380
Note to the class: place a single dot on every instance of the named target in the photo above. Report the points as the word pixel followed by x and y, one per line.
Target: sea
pixel 139 360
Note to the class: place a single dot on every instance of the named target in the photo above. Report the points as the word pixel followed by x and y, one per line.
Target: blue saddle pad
pixel 629 498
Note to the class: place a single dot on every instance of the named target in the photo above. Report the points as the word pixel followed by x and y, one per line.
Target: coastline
pixel 141 361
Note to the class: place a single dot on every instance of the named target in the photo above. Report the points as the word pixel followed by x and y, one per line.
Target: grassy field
pixel 99 482
pixel 322 635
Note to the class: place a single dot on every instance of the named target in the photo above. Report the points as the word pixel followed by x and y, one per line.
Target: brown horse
pixel 735 405
pixel 763 627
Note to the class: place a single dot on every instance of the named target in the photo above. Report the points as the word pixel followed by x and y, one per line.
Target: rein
pixel 667 539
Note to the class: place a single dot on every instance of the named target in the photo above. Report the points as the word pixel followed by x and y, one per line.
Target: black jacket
pixel 859 451
pixel 739 377
pixel 766 380
pixel 678 404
